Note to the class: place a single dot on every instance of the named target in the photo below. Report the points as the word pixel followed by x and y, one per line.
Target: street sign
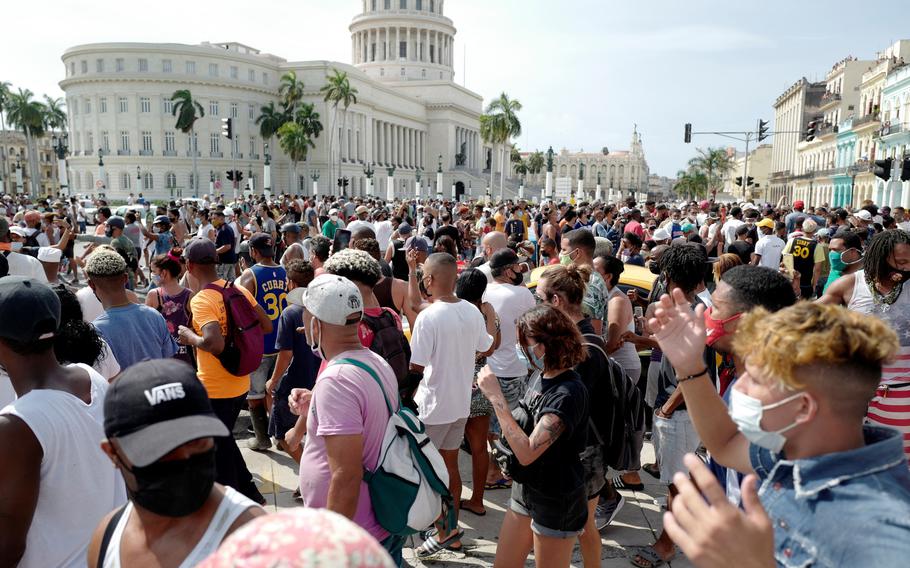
pixel 218 184
pixel 99 184
pixel 563 188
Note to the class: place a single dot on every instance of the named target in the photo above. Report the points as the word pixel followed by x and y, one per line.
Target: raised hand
pixel 680 332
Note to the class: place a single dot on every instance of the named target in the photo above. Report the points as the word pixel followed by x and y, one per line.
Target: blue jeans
pixel 393 545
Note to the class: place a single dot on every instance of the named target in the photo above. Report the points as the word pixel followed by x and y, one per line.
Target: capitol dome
pixel 403 40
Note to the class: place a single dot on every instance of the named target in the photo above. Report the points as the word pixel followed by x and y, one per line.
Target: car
pixel 139 210
pixel 633 277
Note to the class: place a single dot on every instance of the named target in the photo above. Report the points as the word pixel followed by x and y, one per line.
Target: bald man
pixel 491 243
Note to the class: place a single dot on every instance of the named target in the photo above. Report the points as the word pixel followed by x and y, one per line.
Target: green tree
pixel 307 117
pixel 338 91
pixel 290 91
pixel 28 115
pixel 505 126
pixel 714 163
pixel 188 111
pixel 295 142
pixel 536 162
pixel 691 184
pixel 55 119
pixel 5 95
pixel 270 120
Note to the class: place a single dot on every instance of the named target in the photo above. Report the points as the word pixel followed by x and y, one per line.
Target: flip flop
pixel 651 469
pixel 501 483
pixel 649 557
pixel 432 546
pixel 468 509
pixel 618 483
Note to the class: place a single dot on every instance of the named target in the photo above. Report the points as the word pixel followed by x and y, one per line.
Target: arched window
pixel 89 181
pixel 192 181
pixel 170 180
pixel 562 170
pixel 573 171
pixel 124 181
pixel 621 173
pixel 148 181
pixel 432 5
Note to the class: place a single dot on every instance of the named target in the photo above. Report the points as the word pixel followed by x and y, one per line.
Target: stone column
pixel 597 193
pixel 390 188
pixel 548 191
pixel 408 48
pixel 438 185
pixel 417 189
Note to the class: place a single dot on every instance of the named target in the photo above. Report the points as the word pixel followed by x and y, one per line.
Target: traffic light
pixel 238 175
pixel 762 129
pixel 230 175
pixel 227 128
pixel 739 181
pixel 882 169
pixel 810 130
pixel 345 182
pixel 749 181
pixel 235 175
pixel 905 170
pixel 688 135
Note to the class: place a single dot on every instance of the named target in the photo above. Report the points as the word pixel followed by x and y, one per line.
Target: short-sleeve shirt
pixel 770 247
pixel 136 333
pixel 208 307
pixel 346 402
pixel 515 226
pixel 301 373
pixel 594 304
pixel 225 236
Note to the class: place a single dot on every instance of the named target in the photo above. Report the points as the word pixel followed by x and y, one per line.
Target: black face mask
pixel 654 268
pixel 175 488
pixel 904 274
pixel 517 278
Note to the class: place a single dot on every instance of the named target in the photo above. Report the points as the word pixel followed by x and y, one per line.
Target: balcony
pixel 254 156
pixel 890 128
pixel 123 152
pixel 169 153
pixel 146 152
pixel 873 117
pixel 216 154
pixel 189 154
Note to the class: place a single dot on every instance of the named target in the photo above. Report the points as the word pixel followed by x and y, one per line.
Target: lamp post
pixel 138 180
pixel 18 174
pixel 315 178
pixel 369 171
pixel 548 189
pixel 60 148
pixel 417 183
pixel 439 179
pixel 249 178
pixel 390 184
pixel 212 183
pixel 267 172
pixel 102 186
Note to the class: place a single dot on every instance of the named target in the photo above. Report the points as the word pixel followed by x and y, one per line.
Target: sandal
pixel 432 546
pixel 480 513
pixel 619 483
pixel 648 557
pixel 501 483
pixel 652 469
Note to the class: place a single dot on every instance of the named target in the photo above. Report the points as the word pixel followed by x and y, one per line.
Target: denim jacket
pixel 840 510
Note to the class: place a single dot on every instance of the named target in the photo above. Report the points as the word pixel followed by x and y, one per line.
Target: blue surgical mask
pixel 533 358
pixel 156 279
pixel 746 412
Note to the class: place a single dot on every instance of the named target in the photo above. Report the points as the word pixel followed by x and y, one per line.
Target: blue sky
pixel 585 70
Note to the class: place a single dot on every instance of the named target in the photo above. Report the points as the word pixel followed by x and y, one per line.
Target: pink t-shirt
pixel 347 401
pixel 635 227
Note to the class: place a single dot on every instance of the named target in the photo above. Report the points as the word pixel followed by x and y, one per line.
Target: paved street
pixel 636 525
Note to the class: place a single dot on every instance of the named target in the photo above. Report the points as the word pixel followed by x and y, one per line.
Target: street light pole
pixel 267 172
pixel 18 174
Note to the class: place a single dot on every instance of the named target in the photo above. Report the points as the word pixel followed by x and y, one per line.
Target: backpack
pixel 619 419
pixel 410 486
pixel 243 345
pixel 390 343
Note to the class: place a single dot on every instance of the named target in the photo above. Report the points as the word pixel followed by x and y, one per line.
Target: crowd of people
pixel 761 348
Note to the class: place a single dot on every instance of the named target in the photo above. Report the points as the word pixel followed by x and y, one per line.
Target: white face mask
pixel 311 339
pixel 16 246
pixel 746 412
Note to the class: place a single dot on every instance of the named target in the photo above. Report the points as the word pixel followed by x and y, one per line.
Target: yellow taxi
pixel 634 277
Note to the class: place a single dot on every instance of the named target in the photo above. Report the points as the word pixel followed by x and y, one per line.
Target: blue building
pixel 894 137
pixel 844 164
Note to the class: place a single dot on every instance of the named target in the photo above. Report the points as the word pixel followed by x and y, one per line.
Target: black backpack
pixel 390 343
pixel 617 411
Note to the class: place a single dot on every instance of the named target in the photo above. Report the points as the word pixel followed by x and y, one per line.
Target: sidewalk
pixel 637 524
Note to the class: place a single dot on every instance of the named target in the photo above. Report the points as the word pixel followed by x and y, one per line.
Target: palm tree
pixel 507 126
pixel 55 119
pixel 714 163
pixel 307 117
pixel 290 91
pixel 29 116
pixel 4 104
pixel 535 162
pixel 295 142
pixel 338 90
pixel 691 183
pixel 188 111
pixel 521 167
pixel 488 134
pixel 515 155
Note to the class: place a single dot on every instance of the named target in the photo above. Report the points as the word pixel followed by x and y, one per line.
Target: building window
pixel 124 181
pixel 192 181
pixel 213 69
pixel 105 142
pixel 143 65
pixel 118 65
pixel 83 65
pixel 102 104
pixel 88 106
pixel 168 106
pixel 402 49
pixel 251 75
pixel 432 54
pixel 373 51
pixel 170 180
pixel 403 5
pixel 72 68
pixel 423 73
pixel 148 181
pixel 214 142
pixel 252 108
pixel 374 5
pixel 432 5
pixel 124 141
pixel 420 4
pixel 90 141
pixel 213 108
pixel 99 66
pixel 388 4
pixel 235 112
pixel 234 72
pixel 146 141
pixel 124 104
pixel 252 145
pixel 145 104
pixel 190 67
pixel 166 66
pixel 169 145
pixel 192 143
pixel 265 78
pixel 382 72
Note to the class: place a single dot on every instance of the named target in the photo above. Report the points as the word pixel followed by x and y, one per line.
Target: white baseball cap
pixel 331 299
pixel 661 234
pixel 863 214
pixel 49 254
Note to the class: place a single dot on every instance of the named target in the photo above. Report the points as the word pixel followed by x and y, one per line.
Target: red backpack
pixel 243 345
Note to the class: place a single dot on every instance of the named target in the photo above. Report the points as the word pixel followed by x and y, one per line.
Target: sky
pixel 585 71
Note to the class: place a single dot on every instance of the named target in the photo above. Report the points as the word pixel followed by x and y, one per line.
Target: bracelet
pixel 681 380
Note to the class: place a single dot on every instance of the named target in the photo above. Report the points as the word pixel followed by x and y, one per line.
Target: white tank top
pixel 232 505
pixel 79 485
pixel 627 355
pixel 897 315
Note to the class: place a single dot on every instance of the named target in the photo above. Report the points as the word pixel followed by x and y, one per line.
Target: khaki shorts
pixel 446 436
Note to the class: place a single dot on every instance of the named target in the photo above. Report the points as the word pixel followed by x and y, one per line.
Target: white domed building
pixel 410 114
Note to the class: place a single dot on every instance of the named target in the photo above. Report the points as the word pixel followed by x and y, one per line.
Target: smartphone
pixel 342 240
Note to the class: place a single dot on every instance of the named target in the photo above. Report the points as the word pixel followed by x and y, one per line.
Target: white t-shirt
pixel 90 304
pixel 358 224
pixel 384 232
pixel 78 485
pixel 107 366
pixel 730 229
pixel 27 266
pixel 770 247
pixel 445 340
pixel 509 302
pixel 204 231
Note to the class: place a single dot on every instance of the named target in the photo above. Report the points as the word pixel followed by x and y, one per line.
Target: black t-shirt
pixel 743 249
pixel 399 261
pixel 225 236
pixel 515 227
pixel 451 231
pixel 559 470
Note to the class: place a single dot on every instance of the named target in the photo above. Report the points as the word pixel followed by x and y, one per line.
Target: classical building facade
pixel 15 164
pixel 410 118
pixel 791 109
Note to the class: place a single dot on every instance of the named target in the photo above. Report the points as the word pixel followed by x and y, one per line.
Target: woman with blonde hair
pixel 724 263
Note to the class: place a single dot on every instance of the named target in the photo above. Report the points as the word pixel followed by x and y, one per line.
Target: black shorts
pixel 552 514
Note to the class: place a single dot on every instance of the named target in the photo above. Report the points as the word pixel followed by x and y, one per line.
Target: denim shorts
pixel 673 438
pixel 592 459
pixel 260 376
pixel 513 389
pixel 552 515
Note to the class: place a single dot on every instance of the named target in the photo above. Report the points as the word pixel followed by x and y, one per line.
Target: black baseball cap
pixel 200 251
pixel 29 310
pixel 503 258
pixel 262 242
pixel 156 406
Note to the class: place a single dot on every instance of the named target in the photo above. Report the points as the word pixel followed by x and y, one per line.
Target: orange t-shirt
pixel 500 222
pixel 207 307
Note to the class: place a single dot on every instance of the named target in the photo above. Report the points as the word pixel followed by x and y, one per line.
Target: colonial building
pixel 759 168
pixel 409 121
pixel 791 110
pixel 15 164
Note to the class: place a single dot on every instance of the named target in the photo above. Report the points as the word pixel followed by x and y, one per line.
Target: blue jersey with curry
pixel 271 294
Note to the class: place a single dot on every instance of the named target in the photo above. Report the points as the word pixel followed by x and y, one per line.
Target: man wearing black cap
pixel 224 246
pixel 290 238
pixel 226 391
pixel 160 431
pixel 19 264
pixel 55 482
pixel 268 283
